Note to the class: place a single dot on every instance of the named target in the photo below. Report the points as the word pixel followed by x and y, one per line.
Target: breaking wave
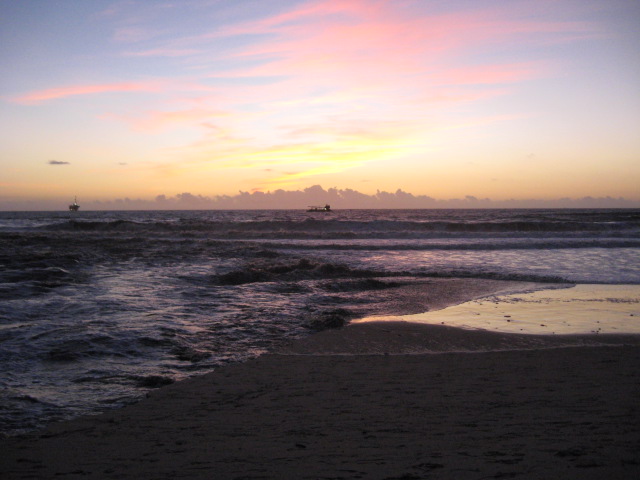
pixel 311 228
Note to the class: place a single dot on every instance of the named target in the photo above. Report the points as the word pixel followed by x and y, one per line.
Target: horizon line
pixel 342 199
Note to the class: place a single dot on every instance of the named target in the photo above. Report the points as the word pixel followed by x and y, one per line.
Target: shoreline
pixel 391 338
pixel 540 310
pixel 372 401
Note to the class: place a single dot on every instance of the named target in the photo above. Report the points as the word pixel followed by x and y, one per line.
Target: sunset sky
pixel 532 99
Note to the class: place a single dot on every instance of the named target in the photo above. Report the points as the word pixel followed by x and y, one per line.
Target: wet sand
pixel 367 402
pixel 570 309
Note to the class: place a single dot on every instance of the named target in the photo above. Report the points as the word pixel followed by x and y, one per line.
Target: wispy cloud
pixel 57 162
pixel 75 90
pixel 350 82
pixel 383 38
pixel 159 120
pixel 163 52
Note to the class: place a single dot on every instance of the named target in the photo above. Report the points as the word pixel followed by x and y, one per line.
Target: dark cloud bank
pixel 316 195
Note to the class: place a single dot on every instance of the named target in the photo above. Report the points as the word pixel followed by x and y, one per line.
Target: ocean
pixel 96 308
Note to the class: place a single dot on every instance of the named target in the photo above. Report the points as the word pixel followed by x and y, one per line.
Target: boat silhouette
pixel 314 208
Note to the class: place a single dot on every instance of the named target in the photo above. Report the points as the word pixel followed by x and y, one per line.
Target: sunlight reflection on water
pixel 579 309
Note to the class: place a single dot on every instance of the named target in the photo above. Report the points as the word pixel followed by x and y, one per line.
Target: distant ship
pixel 74 207
pixel 313 208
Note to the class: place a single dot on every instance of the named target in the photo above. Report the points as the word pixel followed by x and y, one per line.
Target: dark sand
pixel 335 406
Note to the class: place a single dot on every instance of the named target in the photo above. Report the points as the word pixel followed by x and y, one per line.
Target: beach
pixel 99 308
pixel 374 400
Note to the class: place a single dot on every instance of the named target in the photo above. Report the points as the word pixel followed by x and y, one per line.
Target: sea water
pixel 98 307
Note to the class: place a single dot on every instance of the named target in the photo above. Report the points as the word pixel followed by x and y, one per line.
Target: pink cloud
pixel 153 121
pixel 456 94
pixel 356 40
pixel 74 90
pixel 310 11
pixel 492 74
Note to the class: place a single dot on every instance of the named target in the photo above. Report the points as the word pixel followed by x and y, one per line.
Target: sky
pixel 510 100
